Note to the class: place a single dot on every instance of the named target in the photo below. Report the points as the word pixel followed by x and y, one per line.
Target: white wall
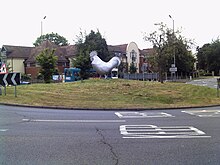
pixel 16 64
pixel 132 49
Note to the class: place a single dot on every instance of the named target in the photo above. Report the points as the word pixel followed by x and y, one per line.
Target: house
pixel 130 53
pixel 31 66
pixel 145 55
pixel 15 56
pixel 23 59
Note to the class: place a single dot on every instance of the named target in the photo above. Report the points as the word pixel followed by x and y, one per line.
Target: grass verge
pixel 112 93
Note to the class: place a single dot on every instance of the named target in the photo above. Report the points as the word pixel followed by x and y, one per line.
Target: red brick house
pixel 31 66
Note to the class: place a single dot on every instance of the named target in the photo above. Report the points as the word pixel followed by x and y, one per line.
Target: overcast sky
pixel 119 21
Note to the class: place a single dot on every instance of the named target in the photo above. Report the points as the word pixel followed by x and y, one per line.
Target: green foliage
pixel 53 37
pixel 132 68
pixel 160 40
pixel 167 44
pixel 95 41
pixel 82 61
pixel 25 77
pixel 85 44
pixel 47 60
pixel 123 67
pixel 183 57
pixel 209 57
pixel 8 67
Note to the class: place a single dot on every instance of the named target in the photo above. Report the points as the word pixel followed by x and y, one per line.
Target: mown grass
pixel 99 93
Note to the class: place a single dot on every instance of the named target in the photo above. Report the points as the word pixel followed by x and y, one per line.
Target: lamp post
pixel 174 56
pixel 41 33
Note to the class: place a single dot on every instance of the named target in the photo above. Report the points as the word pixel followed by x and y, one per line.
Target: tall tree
pixel 52 37
pixel 202 54
pixel 95 41
pixel 85 44
pixel 159 39
pixel 209 57
pixel 169 47
pixel 184 58
pixel 47 60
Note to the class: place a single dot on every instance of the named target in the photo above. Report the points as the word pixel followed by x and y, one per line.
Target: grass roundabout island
pixel 112 94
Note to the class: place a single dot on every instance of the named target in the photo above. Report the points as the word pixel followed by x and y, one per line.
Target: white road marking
pixel 3 130
pixel 204 113
pixel 75 121
pixel 166 137
pixel 152 131
pixel 142 114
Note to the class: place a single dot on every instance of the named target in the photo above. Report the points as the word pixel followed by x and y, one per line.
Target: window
pixel 133 56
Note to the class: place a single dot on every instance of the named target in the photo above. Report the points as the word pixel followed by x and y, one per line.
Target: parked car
pixel 24 83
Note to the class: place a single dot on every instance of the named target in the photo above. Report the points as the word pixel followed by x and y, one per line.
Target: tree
pixel 132 68
pixel 184 58
pixel 82 61
pixel 53 37
pixel 47 60
pixel 166 43
pixel 159 39
pixel 85 44
pixel 123 67
pixel 209 57
pixel 202 54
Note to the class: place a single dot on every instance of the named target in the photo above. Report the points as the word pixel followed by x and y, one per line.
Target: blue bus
pixel 71 74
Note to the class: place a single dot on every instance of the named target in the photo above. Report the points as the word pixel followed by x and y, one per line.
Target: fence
pixel 141 76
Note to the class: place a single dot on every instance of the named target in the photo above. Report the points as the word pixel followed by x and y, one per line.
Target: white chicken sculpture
pixel 102 67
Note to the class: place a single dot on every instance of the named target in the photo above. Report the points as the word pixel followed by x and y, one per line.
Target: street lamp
pixel 174 58
pixel 42 25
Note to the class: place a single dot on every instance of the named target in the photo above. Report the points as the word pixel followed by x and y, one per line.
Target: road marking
pixel 168 132
pixel 204 113
pixel 3 130
pixel 75 121
pixel 142 114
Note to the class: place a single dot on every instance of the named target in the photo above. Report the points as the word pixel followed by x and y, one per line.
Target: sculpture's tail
pixel 92 54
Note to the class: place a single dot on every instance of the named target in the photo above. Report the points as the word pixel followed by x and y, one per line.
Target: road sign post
pixel 173 71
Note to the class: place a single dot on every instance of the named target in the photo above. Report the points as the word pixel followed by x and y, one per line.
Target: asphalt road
pixel 212 82
pixel 53 137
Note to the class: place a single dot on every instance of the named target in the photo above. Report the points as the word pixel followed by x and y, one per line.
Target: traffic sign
pixel 10 79
pixel 173 69
pixel 3 69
